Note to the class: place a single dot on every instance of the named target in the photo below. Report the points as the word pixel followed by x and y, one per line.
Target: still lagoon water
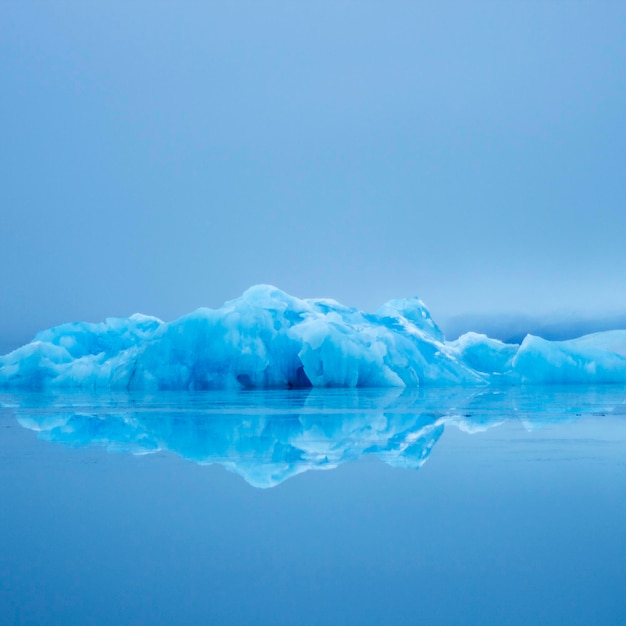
pixel 455 506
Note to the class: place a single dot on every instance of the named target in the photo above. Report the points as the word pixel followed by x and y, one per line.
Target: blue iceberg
pixel 269 339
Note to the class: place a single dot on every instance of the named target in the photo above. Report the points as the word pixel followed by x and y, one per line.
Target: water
pixel 444 506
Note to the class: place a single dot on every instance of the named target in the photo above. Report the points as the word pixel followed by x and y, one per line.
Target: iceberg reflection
pixel 269 436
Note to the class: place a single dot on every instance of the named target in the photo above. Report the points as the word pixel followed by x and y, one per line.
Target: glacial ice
pixel 269 339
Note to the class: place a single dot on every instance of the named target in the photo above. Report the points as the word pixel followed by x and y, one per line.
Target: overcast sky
pixel 158 157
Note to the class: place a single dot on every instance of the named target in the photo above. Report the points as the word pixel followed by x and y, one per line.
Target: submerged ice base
pixel 269 339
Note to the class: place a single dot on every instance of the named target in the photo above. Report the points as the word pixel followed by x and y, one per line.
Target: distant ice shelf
pixel 269 339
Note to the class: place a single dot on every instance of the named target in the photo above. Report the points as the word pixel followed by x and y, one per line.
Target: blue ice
pixel 269 339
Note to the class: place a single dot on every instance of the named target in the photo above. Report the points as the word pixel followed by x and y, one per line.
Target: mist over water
pixel 513 327
pixel 471 155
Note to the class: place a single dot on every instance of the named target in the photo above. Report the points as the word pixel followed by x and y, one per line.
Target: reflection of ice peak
pixel 267 437
pixel 263 449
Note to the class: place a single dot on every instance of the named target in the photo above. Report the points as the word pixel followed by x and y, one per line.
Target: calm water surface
pixel 441 506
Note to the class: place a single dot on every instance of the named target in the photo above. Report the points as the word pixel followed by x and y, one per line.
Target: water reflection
pixel 269 436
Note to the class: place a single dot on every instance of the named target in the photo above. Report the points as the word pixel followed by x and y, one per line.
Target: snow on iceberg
pixel 267 338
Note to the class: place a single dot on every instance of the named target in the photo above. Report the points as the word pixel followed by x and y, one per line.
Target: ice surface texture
pixel 269 339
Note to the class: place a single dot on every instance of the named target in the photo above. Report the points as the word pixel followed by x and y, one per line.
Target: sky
pixel 158 157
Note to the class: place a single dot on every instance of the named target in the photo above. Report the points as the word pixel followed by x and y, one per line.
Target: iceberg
pixel 269 339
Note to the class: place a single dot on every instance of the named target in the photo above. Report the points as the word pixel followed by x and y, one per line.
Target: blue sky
pixel 157 157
